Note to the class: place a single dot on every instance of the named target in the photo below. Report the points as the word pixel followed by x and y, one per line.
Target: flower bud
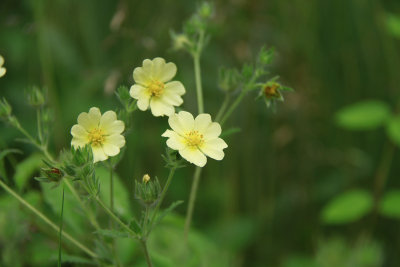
pixel 35 97
pixel 228 79
pixel 146 178
pixel 5 108
pixel 271 90
pixel 147 191
pixel 53 174
pixel 205 10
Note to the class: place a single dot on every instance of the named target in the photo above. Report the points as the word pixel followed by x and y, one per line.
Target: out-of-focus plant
pixel 99 141
pixel 353 205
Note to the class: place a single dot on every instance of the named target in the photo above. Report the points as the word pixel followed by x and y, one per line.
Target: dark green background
pixel 262 203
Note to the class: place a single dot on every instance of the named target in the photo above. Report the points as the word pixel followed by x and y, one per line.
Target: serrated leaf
pixel 390 204
pixel 365 115
pixel 348 207
pixel 112 233
pixel 393 129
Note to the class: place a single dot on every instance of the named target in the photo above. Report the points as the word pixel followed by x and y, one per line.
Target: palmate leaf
pixel 347 207
pixel 365 115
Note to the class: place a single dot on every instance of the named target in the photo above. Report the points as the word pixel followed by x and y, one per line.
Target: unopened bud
pixel 35 97
pixel 146 178
pixel 5 108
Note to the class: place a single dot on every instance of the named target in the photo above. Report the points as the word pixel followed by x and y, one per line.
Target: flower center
pixel 156 88
pixel 96 137
pixel 194 139
pixel 271 90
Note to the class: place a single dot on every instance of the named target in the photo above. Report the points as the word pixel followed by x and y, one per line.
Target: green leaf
pixel 393 129
pixel 5 152
pixel 390 204
pixel 112 233
pixel 26 169
pixel 76 259
pixel 121 196
pixel 348 207
pixel 393 25
pixel 365 115
pixel 73 214
pixel 230 131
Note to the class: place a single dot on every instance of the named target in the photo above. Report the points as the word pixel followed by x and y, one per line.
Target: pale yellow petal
pixel 79 132
pixel 1 60
pixel 202 122
pixel 214 148
pixel 162 71
pixel 90 120
pixel 141 76
pixel 79 142
pixel 160 108
pixel 175 87
pixel 181 122
pixel 174 141
pixel 110 149
pixel 142 95
pixel 116 139
pixel 2 72
pixel 193 156
pixel 98 154
pixel 213 131
pixel 110 125
pixel 172 99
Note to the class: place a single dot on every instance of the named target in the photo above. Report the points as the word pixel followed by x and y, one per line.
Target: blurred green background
pixel 260 206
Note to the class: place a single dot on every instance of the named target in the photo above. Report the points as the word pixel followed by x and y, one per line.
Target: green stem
pixel 233 107
pixel 61 229
pixel 192 201
pixel 47 220
pixel 111 187
pixel 146 253
pixel 115 217
pixel 163 193
pixel 88 211
pixel 222 108
pixel 39 125
pixel 199 90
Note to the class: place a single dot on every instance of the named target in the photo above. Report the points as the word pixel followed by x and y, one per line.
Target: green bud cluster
pixel 35 97
pixel 147 191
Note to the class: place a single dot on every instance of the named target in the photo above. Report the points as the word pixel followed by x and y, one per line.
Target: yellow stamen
pixel 156 88
pixel 146 178
pixel 194 139
pixel 96 137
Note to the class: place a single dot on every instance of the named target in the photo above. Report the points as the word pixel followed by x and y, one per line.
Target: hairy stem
pixel 88 211
pixel 199 89
pixel 115 217
pixel 163 193
pixel 192 201
pixel 146 253
pixel 47 220
pixel 222 108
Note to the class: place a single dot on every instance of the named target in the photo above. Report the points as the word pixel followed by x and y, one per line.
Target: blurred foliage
pixel 260 206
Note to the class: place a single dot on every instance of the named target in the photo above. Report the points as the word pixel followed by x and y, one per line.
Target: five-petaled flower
pixel 2 69
pixel 195 138
pixel 154 87
pixel 101 132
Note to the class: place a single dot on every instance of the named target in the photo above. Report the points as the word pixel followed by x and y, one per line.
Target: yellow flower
pixel 154 87
pixel 195 138
pixel 2 69
pixel 102 132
